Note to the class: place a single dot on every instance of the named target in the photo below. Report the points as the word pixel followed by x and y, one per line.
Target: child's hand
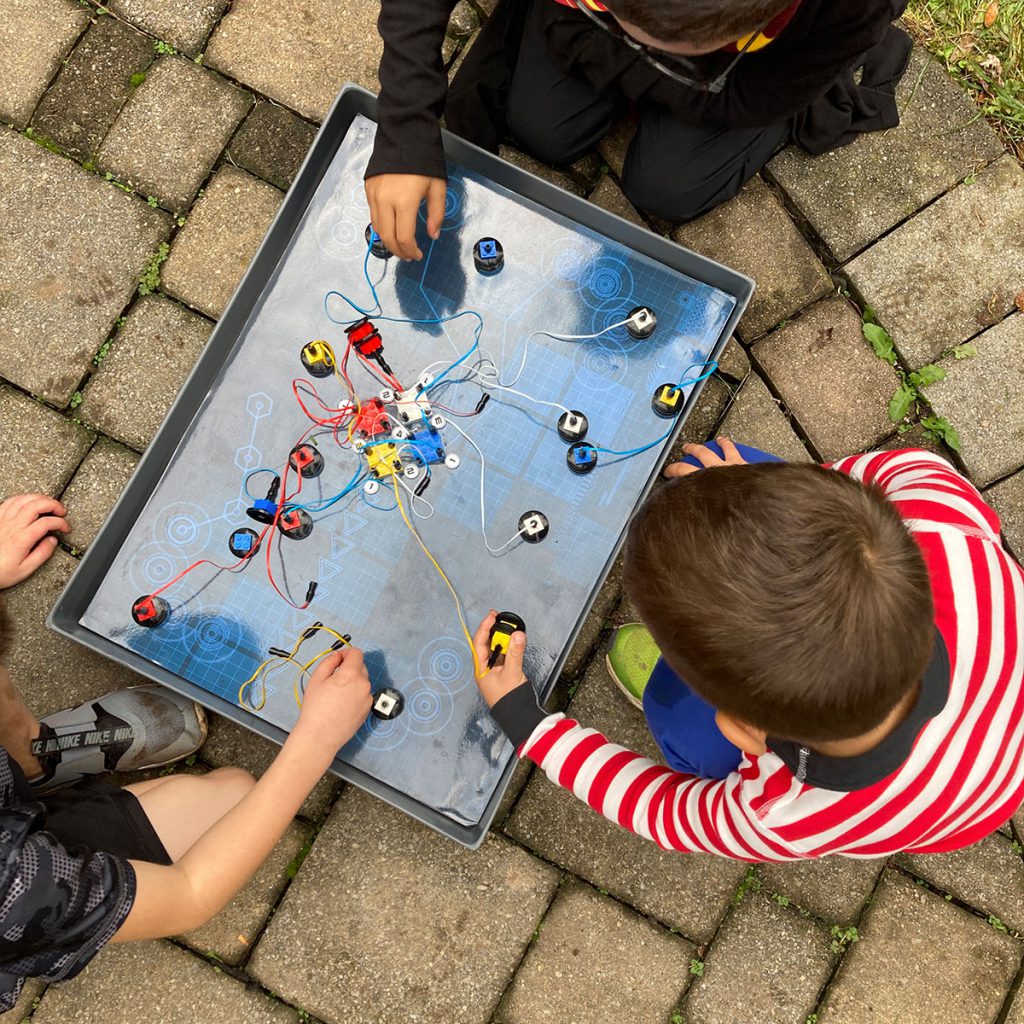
pixel 707 458
pixel 25 522
pixel 507 674
pixel 337 701
pixel 395 204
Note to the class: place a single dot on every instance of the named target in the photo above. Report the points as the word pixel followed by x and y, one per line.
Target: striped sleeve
pixel 926 489
pixel 675 811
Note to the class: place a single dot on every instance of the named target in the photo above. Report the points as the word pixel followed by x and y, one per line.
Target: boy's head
pixel 790 597
pixel 691 27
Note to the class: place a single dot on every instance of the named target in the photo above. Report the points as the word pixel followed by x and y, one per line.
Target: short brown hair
pixel 789 596
pixel 697 21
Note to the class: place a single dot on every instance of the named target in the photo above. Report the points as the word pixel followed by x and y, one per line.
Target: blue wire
pixel 647 447
pixel 325 503
pixel 377 507
pixel 355 305
pixel 252 473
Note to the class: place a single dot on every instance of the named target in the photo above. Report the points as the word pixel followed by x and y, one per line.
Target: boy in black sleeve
pixel 718 85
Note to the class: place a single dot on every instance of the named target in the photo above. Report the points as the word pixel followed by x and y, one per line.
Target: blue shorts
pixel 682 724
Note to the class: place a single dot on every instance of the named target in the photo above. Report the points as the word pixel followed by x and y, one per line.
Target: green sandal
pixel 631 658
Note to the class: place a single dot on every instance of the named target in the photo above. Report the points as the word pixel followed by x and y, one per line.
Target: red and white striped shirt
pixel 965 773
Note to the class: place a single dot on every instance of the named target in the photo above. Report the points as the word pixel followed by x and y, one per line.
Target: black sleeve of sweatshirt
pixel 413 88
pixel 822 41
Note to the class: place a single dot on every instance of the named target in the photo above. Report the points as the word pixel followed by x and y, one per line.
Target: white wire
pixel 483 519
pixel 415 497
pixel 559 337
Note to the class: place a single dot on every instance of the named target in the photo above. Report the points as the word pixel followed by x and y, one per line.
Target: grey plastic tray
pixel 571 268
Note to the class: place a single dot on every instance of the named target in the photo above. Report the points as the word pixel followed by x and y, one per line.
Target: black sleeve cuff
pixel 518 714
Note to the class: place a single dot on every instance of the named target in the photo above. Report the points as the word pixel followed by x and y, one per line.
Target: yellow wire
pixel 303 669
pixel 252 705
pixel 441 572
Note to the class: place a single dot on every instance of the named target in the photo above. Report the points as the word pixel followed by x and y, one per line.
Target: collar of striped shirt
pixel 764 37
pixel 846 774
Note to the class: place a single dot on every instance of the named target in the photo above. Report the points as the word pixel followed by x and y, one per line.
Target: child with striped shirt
pixel 852 644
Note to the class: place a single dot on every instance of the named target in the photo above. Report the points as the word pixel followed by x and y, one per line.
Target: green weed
pixel 150 280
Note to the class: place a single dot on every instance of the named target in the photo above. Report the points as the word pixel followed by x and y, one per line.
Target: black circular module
pixel 295 523
pixel 667 401
pixel 488 256
pixel 387 704
pixel 317 359
pixel 377 247
pixel 150 611
pixel 244 543
pixel 581 457
pixel 306 460
pixel 533 526
pixel 641 322
pixel 572 426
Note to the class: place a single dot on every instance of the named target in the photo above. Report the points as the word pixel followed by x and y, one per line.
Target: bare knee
pixel 231 781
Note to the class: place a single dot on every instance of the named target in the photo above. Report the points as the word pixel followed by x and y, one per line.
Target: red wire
pixel 216 565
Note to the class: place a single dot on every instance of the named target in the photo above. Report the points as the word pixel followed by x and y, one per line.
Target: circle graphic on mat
pixel 185 526
pixel 446 660
pixel 612 311
pixel 454 206
pixel 602 363
pixel 379 734
pixel 152 566
pixel 567 265
pixel 428 707
pixel 214 636
pixel 609 278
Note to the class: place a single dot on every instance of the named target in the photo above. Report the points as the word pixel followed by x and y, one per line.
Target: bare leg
pixel 182 807
pixel 18 726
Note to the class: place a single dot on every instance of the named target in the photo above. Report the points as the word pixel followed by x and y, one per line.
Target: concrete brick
pixel 42 449
pixel 301 53
pixel 272 144
pixel 953 269
pixel 754 418
pixel 74 249
pixel 185 24
pixel 96 486
pixel 593 952
pixel 158 145
pixel 1007 498
pixel 35 35
pixel 833 888
pixel 217 244
pixel 753 234
pixel 150 357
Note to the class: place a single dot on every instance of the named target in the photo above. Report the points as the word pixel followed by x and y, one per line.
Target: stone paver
pixel 953 269
pixel 230 936
pixel 834 888
pixel 747 981
pixel 159 146
pixel 610 197
pixel 129 404
pixel 597 960
pixel 755 418
pixel 854 194
pixel 35 35
pixel 832 382
pixel 216 246
pixel 97 485
pixel 388 920
pixel 604 604
pixel 230 744
pixel 73 251
pixel 272 143
pixel 184 24
pixel 78 110
pixel 988 876
pixel 50 672
pixel 1007 498
pixel 918 951
pixel 915 437
pixel 689 893
pixel 32 990
pixel 42 449
pixel 156 983
pixel 981 397
pixel 734 361
pixel 300 53
pixel 752 233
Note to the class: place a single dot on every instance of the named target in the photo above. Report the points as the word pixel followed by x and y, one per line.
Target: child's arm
pixel 676 811
pixel 174 899
pixel 408 165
